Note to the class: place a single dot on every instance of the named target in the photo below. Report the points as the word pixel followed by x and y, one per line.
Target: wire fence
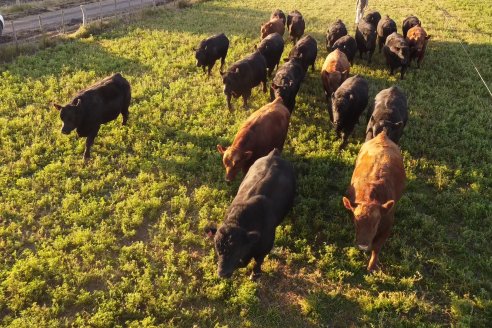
pixel 71 18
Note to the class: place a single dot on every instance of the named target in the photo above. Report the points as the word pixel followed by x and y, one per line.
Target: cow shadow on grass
pixel 71 57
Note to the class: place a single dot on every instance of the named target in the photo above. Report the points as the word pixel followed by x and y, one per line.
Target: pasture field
pixel 119 242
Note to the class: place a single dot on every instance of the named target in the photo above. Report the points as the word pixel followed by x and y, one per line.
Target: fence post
pixel 15 36
pixel 17 2
pixel 154 3
pixel 63 21
pixel 115 6
pixel 40 23
pixel 100 12
pixel 83 15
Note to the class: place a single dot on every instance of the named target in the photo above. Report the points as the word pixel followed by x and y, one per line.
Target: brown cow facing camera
pixel 262 131
pixel 417 40
pixel 377 184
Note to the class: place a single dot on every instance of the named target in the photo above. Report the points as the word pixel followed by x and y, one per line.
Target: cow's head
pixel 266 29
pixel 234 160
pixel 201 55
pixel 340 105
pixel 70 115
pixel 233 244
pixel 392 130
pixel 367 217
pixel 231 80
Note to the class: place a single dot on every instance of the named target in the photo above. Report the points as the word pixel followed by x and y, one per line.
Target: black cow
pixel 348 46
pixel 365 36
pixel 263 200
pixel 296 25
pixel 271 48
pixel 243 76
pixel 96 105
pixel 335 32
pixel 372 17
pixel 306 49
pixel 347 103
pixel 210 50
pixel 386 26
pixel 397 53
pixel 287 82
pixel 408 23
pixel 390 114
pixel 278 14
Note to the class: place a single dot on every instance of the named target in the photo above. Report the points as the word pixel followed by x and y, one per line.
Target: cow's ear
pixel 253 236
pixel 348 204
pixel 386 207
pixel 428 37
pixel 210 231
pixel 58 107
pixel 221 149
pixel 247 155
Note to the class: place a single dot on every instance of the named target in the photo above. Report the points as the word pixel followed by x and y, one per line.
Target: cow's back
pixel 264 130
pixel 336 61
pixel 272 177
pixel 380 164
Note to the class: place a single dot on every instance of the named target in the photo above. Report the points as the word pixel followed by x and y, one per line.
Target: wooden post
pixel 83 15
pixel 115 6
pixel 63 21
pixel 100 12
pixel 40 23
pixel 15 35
pixel 17 2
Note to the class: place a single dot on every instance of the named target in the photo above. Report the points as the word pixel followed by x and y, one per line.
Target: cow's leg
pixel 391 70
pixel 374 261
pixel 228 99
pixel 264 81
pixel 245 99
pixel 312 66
pixel 222 62
pixel 210 69
pixel 125 113
pixel 370 56
pixel 257 268
pixel 89 142
pixel 419 60
pixel 403 69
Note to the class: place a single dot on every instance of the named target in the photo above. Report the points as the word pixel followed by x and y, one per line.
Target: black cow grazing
pixel 296 25
pixel 408 23
pixel 335 32
pixel 243 76
pixel 390 114
pixel 348 46
pixel 271 48
pixel 307 50
pixel 348 102
pixel 278 14
pixel 287 82
pixel 372 17
pixel 263 200
pixel 96 105
pixel 365 36
pixel 386 26
pixel 397 53
pixel 210 50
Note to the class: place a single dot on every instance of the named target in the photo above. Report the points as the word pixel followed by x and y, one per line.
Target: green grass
pixel 120 242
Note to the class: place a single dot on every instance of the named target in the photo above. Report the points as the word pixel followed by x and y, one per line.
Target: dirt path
pixel 73 15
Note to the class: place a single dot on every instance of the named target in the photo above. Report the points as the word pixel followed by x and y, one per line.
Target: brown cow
pixel 377 184
pixel 335 70
pixel 274 25
pixel 417 40
pixel 263 131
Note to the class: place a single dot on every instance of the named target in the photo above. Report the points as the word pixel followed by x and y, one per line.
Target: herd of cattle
pixel 267 191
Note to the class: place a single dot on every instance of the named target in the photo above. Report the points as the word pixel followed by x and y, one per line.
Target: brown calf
pixel 274 25
pixel 263 131
pixel 377 184
pixel 417 40
pixel 335 70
